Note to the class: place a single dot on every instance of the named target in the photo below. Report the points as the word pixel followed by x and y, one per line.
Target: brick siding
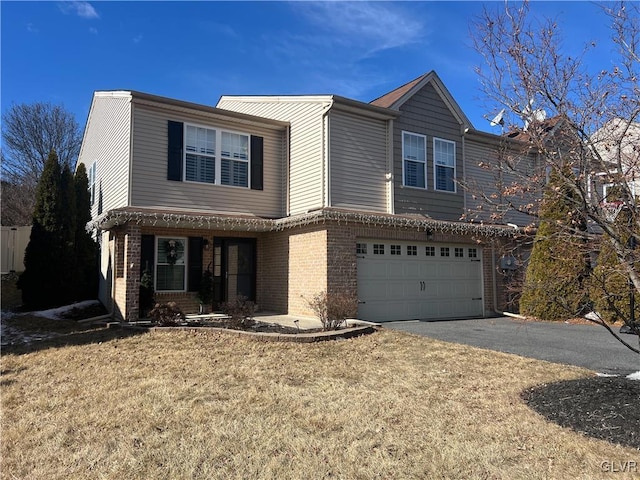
pixel 291 265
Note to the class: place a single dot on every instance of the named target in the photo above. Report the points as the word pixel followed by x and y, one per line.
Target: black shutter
pixel 256 162
pixel 175 140
pixel 147 253
pixel 195 264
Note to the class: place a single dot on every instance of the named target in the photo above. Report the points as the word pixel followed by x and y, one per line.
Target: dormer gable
pixel 396 98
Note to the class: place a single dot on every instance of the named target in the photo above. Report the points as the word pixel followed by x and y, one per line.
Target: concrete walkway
pixel 303 323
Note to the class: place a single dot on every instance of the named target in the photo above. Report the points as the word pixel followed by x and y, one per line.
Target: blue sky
pixel 197 51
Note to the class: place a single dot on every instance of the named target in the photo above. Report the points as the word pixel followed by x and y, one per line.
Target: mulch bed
pixel 607 408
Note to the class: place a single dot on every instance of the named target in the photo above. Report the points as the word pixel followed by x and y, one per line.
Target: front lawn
pixel 191 405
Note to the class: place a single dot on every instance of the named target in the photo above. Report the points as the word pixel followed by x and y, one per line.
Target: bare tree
pixel 565 114
pixel 29 133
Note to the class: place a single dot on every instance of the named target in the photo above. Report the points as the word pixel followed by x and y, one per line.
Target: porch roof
pixel 215 221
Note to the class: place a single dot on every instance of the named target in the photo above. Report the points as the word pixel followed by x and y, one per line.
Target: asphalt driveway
pixel 589 346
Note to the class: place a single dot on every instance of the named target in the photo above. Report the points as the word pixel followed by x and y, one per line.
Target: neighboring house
pixel 282 197
pixel 13 244
pixel 617 145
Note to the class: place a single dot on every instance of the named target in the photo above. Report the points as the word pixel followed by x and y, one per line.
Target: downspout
pixel 391 207
pixel 464 170
pixel 130 159
pixel 286 149
pixel 493 277
pixel 326 156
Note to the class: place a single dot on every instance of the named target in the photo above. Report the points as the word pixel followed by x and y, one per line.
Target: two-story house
pixel 281 197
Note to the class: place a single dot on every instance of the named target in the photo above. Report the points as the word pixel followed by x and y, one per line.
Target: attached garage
pixel 400 280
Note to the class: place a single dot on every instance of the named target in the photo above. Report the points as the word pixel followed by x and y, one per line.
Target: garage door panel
pixel 402 287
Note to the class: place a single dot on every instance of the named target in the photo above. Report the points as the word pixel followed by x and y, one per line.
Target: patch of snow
pixel 634 376
pixel 58 313
pixel 606 375
pixel 593 316
pixel 14 336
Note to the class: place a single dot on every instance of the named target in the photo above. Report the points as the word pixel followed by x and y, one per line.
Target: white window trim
pixel 186 263
pixel 426 180
pixel 435 165
pixel 217 156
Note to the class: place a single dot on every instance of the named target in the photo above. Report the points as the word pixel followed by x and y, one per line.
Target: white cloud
pixel 220 29
pixel 137 38
pixel 93 30
pixel 81 9
pixel 32 28
pixel 369 27
pixel 334 42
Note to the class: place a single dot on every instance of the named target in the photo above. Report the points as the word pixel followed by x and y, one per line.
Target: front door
pixel 234 269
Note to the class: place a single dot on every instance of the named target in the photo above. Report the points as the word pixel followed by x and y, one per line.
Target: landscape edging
pixel 310 337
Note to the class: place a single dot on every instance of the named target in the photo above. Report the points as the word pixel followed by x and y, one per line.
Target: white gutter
pixel 326 155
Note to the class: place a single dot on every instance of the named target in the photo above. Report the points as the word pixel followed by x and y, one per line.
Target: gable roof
pixel 389 99
pixel 397 97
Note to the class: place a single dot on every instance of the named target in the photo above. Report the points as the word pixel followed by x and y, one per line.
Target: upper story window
pixel 444 164
pixel 216 156
pixel 92 182
pixel 414 160
pixel 200 154
pixel 196 153
pixel 234 159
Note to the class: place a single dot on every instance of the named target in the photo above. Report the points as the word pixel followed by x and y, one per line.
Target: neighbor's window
pixel 412 250
pixel 444 164
pixel 378 249
pixel 414 159
pixel 473 253
pixel 430 251
pixel 396 250
pixel 204 145
pixel 444 251
pixel 92 182
pixel 171 255
pixel 458 252
pixel 361 248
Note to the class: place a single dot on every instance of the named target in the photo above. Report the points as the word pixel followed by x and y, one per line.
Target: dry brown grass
pixel 176 405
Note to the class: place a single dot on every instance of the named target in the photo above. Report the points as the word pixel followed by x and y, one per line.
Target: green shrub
pixel 555 283
pixel 146 293
pixel 609 284
pixel 205 292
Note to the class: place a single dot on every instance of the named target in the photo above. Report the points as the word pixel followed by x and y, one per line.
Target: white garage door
pixel 411 280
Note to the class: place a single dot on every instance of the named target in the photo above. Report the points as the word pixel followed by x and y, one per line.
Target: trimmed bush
pixel 333 308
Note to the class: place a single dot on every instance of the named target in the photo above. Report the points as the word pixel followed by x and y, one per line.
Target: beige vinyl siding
pixel 425 113
pixel 486 181
pixel 106 142
pixel 150 187
pixel 306 170
pixel 358 162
